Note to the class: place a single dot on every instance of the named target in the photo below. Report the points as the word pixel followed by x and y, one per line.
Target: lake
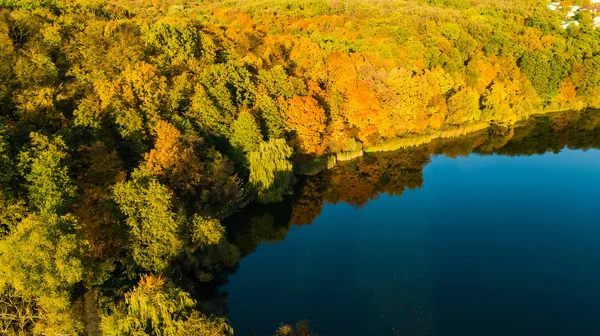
pixel 494 233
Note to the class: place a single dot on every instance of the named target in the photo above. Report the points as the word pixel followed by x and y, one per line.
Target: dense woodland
pixel 130 129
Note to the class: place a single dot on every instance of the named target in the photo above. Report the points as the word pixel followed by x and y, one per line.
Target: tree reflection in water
pixel 359 181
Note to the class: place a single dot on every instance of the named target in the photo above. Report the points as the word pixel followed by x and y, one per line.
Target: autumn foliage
pixel 130 129
pixel 171 160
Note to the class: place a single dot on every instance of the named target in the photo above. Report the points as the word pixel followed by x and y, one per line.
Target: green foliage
pixel 274 122
pixel 40 260
pixel 591 73
pixel 279 84
pixel 206 231
pixel 41 254
pixel 177 41
pixel 229 85
pixel 245 135
pixel 222 191
pixel 11 213
pixel 209 118
pixel 271 171
pixel 155 307
pixel 153 227
pixel 536 66
pixel 48 182
pixel 314 166
pixel 463 107
pixel 451 31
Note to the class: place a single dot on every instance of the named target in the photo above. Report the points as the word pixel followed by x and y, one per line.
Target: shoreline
pixel 318 164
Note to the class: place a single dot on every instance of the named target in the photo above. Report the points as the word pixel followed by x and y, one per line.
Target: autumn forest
pixel 132 130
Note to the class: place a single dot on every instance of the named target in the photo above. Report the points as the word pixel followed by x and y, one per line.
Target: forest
pixel 131 130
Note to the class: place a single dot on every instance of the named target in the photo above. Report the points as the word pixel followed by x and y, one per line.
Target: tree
pixel 48 182
pixel 18 315
pixel 174 87
pixel 99 169
pixel 270 171
pixel 537 67
pixel 137 99
pixel 413 96
pixel 245 135
pixel 171 160
pixel 206 231
pixel 222 192
pixel 40 260
pixel 463 107
pixel 178 40
pixel 301 328
pixel 279 84
pixel 153 227
pixel 306 119
pixel 229 85
pixel 269 110
pixel 362 109
pixel 155 307
pixel 210 119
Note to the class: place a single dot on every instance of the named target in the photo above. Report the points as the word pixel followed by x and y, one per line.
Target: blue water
pixel 489 245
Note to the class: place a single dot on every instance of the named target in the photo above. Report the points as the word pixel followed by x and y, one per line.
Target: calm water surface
pixel 492 243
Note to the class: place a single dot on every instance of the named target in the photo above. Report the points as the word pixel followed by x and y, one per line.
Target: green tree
pixel 245 134
pixel 154 232
pixel 537 67
pixel 40 263
pixel 279 84
pixel 48 182
pixel 273 120
pixel 271 171
pixel 155 307
pixel 229 86
pixel 205 231
pixel 178 40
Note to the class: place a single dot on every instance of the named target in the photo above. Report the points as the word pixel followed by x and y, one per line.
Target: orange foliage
pixel 341 71
pixel 305 117
pixel 309 203
pixel 171 160
pixel 363 110
pixel 438 112
pixel 486 74
pixel 567 90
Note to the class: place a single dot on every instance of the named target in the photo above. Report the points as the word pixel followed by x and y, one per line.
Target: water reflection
pixel 406 308
pixel 360 181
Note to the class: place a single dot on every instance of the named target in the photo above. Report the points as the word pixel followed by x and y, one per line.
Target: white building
pixel 566 24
